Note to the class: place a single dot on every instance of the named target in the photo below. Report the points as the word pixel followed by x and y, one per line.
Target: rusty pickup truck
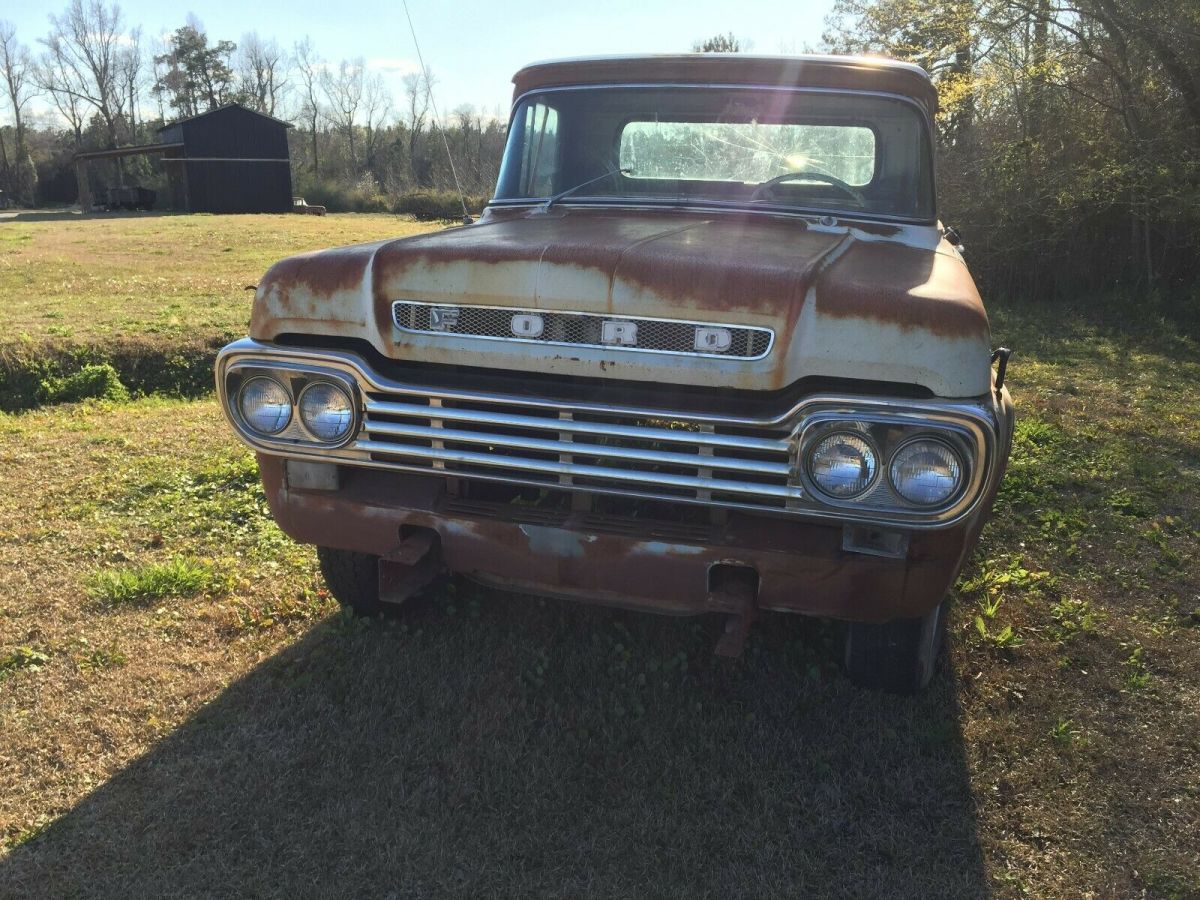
pixel 708 350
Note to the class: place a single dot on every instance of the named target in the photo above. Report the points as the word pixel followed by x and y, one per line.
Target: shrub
pixel 99 382
pixel 434 205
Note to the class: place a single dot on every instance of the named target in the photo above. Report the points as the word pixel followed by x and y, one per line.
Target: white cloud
pixel 392 66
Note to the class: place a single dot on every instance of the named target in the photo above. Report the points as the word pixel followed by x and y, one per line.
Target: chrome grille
pixel 581 449
pixel 577 329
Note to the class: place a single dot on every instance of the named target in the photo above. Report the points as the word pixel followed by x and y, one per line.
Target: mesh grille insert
pixel 584 330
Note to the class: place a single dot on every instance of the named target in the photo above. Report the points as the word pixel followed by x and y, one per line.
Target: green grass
pixel 152 582
pixel 99 306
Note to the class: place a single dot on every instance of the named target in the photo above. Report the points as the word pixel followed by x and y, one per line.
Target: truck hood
pixel 882 303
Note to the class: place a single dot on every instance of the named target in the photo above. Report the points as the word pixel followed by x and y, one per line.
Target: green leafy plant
pixel 178 577
pixel 1004 639
pixel 1064 732
pixel 1069 619
pixel 1136 675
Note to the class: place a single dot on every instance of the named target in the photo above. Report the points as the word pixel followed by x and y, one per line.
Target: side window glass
pixel 540 165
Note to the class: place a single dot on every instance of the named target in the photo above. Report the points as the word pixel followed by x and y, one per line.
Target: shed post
pixel 85 189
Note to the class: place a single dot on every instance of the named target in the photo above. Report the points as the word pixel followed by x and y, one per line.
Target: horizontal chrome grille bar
pixel 576 448
pixel 602 429
pixel 548 467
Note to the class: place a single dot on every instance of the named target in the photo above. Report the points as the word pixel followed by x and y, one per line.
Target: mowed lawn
pixel 185 712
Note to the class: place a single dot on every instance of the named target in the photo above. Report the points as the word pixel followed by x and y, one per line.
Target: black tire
pixel 898 657
pixel 352 578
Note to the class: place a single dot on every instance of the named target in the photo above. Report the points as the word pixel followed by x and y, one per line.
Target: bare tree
pixel 84 47
pixel 19 85
pixel 308 65
pixel 343 90
pixel 55 79
pixel 418 88
pixel 376 107
pixel 262 70
pixel 130 77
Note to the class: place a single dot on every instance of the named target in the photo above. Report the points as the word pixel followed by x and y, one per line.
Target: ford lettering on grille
pixel 577 329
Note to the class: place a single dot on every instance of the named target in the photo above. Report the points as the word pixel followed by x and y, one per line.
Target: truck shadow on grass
pixel 486 744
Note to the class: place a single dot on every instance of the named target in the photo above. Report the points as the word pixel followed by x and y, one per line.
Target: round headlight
pixel 265 405
pixel 926 472
pixel 843 465
pixel 327 411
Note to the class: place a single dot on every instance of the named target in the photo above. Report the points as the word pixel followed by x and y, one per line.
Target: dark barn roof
pixel 220 109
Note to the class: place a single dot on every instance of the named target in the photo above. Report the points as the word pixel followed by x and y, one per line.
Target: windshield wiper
pixel 569 191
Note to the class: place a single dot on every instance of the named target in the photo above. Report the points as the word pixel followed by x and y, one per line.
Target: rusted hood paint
pixel 844 302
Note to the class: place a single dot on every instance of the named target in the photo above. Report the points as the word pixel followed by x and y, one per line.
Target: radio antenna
pixel 437 119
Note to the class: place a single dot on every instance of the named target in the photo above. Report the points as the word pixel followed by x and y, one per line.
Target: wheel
pixel 898 657
pixel 352 578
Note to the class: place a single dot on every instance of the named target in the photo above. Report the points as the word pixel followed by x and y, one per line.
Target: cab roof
pixel 864 73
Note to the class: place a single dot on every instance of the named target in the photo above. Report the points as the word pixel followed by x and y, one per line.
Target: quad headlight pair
pixel 923 471
pixel 324 409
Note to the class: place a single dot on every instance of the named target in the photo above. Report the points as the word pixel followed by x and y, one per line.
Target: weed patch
pixel 177 578
pixel 22 658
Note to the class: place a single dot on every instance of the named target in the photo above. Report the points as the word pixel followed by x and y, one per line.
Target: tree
pixel 262 72
pixel 197 77
pixel 83 61
pixel 721 43
pixel 16 69
pixel 418 88
pixel 343 89
pixel 308 65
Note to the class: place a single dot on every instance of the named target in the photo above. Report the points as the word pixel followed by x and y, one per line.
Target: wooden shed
pixel 228 160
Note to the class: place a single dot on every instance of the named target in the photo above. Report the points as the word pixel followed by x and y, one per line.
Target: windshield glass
pixel 744 147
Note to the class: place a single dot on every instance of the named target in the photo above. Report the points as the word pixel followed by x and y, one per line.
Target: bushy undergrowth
pixel 99 382
pixel 64 373
pixel 365 196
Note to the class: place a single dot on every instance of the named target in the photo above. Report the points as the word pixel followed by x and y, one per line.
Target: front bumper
pixel 799 566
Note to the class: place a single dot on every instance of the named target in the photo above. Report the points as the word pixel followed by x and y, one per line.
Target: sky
pixel 472 47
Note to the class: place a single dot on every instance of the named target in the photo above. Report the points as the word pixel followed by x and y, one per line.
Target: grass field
pixel 184 712
pixel 152 295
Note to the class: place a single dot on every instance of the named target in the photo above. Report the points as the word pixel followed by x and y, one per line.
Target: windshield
pixel 744 147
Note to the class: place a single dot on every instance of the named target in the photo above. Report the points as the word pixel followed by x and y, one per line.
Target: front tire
pixel 897 657
pixel 352 578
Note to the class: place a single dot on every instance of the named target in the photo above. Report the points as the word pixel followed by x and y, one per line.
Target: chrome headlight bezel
pixel 295 378
pixel 889 432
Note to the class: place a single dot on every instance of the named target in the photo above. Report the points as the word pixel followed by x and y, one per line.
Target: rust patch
pixel 903 286
pixel 303 286
pixel 801 566
pixel 694 262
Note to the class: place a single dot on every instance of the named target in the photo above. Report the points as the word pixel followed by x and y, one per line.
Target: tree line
pixel 354 145
pixel 1069 134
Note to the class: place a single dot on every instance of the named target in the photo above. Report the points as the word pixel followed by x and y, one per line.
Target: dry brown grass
pixel 247 739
